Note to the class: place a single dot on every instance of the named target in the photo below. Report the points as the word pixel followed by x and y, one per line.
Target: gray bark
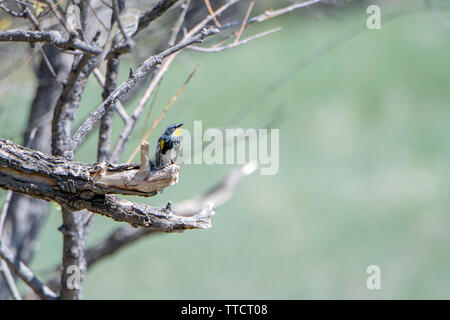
pixel 25 214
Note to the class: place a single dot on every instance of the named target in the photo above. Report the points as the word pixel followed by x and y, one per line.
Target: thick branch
pixel 76 186
pixel 124 236
pixel 34 173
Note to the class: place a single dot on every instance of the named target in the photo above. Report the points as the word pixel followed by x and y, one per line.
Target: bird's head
pixel 173 130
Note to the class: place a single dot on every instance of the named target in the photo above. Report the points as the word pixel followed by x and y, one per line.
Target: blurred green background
pixel 364 173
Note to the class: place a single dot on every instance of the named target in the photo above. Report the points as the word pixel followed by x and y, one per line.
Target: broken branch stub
pixel 134 182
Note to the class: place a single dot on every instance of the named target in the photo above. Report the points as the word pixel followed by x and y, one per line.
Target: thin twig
pixel 57 14
pixel 123 236
pixel 126 132
pixel 4 269
pixel 128 129
pixel 96 16
pixel 177 27
pixel 244 23
pixel 302 63
pixel 118 106
pixel 105 132
pixel 438 14
pixel 11 12
pixel 211 12
pixel 9 280
pixel 25 273
pixel 118 21
pixel 144 68
pixel 4 211
pixel 47 61
pixel 149 113
pixel 232 45
pixel 268 14
pixel 164 112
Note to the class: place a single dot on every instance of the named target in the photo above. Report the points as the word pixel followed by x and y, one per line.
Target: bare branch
pixel 53 8
pixel 244 23
pixel 129 126
pixel 9 280
pixel 105 132
pixel 164 112
pixel 118 106
pixel 211 12
pixel 124 236
pixel 52 37
pixel 232 45
pixel 217 195
pixel 67 105
pixel 268 14
pixel 177 27
pixel 158 9
pixel 117 240
pixel 145 67
pixel 26 274
pixel 126 132
pixel 11 12
pixel 4 269
pixel 37 174
pixel 5 211
pixel 76 187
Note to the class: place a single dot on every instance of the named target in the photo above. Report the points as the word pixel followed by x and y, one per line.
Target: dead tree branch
pixel 217 195
pixel 76 186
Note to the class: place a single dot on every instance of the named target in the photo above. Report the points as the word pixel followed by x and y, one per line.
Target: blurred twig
pixel 163 114
pixel 145 66
pixel 305 62
pixel 26 274
pixel 211 12
pixel 4 269
pixel 438 14
pixel 234 44
pixel 244 23
pixel 126 132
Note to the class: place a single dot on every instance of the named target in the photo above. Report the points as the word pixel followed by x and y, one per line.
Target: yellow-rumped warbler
pixel 168 146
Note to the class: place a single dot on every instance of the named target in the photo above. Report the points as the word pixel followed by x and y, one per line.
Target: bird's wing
pixel 158 153
pixel 177 150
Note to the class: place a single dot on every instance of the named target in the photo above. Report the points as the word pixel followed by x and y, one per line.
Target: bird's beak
pixel 177 132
